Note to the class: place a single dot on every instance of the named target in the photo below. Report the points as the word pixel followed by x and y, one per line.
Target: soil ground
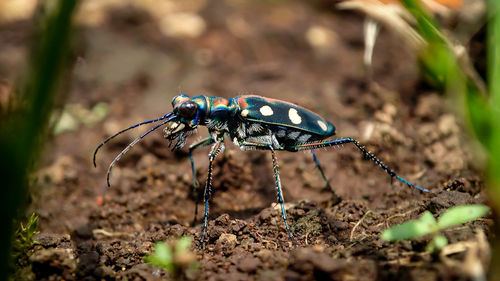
pixel 91 232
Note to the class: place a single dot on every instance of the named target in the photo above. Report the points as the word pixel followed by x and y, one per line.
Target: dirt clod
pixel 226 243
pixel 52 240
pixel 53 262
pixel 447 199
pixel 248 264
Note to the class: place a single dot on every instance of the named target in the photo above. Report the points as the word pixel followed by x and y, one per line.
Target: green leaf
pixel 183 244
pixel 437 244
pixel 428 218
pixel 163 252
pixel 461 214
pixel 411 229
pixel 32 226
pixel 440 241
pixel 161 257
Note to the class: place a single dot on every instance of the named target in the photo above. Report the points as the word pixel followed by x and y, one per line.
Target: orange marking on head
pixel 180 99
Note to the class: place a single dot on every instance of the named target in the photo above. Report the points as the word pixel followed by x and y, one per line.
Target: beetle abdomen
pixel 288 136
pixel 281 113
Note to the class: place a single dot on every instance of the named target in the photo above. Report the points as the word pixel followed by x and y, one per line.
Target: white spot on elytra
pixel 322 125
pixel 294 116
pixel 266 110
pixel 244 112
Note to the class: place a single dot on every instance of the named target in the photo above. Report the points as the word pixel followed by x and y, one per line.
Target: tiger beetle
pixel 252 122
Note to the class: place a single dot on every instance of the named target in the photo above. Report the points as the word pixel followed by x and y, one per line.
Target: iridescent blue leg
pixel 280 195
pixel 335 198
pixel 319 168
pixel 263 146
pixel 365 152
pixel 216 149
pixel 201 143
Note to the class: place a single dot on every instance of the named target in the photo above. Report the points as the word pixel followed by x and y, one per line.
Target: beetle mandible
pixel 251 122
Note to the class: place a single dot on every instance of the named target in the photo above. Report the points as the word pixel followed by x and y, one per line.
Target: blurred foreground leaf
pixel 161 257
pixel 176 258
pixel 427 224
pixel 461 214
pixel 24 124
pixel 411 229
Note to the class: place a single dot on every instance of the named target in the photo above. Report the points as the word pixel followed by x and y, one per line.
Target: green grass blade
pixel 23 127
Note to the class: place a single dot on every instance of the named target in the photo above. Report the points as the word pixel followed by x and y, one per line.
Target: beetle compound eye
pixel 188 109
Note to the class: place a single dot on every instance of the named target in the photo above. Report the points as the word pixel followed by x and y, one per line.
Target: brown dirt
pixel 261 48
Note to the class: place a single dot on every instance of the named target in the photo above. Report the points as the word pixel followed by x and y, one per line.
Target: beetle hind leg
pixel 363 150
pixel 335 198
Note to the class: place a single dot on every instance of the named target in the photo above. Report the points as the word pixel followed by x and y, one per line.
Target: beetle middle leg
pixel 279 192
pixel 280 195
pixel 199 144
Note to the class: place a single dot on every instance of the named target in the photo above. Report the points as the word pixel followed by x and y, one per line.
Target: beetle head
pixel 187 117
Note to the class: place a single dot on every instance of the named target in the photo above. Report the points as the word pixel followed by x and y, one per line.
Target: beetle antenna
pixel 124 130
pixel 119 156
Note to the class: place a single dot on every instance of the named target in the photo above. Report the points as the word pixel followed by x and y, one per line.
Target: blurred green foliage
pixel 73 115
pixel 492 106
pixel 428 225
pixel 480 109
pixel 177 259
pixel 24 122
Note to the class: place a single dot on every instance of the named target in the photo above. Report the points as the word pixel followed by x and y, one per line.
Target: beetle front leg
pixel 199 144
pixel 216 149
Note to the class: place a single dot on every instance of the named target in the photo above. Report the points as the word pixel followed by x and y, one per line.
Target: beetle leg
pixel 365 152
pixel 280 195
pixel 335 198
pixel 216 149
pixel 199 144
pixel 279 192
pixel 315 158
